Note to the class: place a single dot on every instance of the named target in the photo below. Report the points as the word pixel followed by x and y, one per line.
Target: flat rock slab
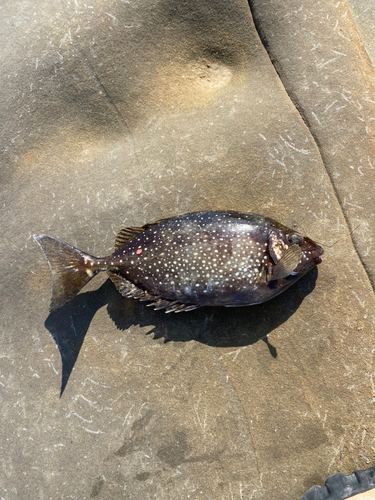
pixel 120 113
pixel 319 55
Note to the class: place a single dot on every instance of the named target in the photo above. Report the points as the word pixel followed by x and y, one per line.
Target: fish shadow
pixel 213 326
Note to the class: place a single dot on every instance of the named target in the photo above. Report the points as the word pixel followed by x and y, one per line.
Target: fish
pixel 210 258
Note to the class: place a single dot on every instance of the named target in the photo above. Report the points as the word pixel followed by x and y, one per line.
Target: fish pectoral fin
pixel 276 247
pixel 286 265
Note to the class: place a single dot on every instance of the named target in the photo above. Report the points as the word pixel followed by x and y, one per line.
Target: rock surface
pixel 119 113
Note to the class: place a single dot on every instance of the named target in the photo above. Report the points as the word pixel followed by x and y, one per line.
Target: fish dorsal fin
pixel 288 262
pixel 128 233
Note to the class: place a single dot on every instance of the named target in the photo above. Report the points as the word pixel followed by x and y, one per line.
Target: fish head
pixel 292 254
pixel 311 252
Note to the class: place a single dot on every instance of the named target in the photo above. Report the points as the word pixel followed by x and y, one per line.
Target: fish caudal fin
pixel 71 269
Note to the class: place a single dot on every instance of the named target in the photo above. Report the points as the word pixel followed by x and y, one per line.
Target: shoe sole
pixel 339 487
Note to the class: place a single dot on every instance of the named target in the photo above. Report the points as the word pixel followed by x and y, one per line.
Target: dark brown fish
pixel 199 259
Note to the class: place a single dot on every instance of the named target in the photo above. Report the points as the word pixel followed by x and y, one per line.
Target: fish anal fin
pixel 162 304
pixel 128 289
pixel 185 308
pixel 287 263
pixel 173 306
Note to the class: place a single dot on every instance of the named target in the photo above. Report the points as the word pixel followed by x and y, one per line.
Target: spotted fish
pixel 199 259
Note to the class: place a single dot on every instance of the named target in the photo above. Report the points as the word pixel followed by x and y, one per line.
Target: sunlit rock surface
pixel 119 113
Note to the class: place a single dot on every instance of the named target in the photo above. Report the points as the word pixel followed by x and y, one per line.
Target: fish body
pixel 222 258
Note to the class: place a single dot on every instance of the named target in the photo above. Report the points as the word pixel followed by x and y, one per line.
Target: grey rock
pixel 119 113
pixel 319 55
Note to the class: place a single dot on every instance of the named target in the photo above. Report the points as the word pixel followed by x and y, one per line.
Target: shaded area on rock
pixel 213 326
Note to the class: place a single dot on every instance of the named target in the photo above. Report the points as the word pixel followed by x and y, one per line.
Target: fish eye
pixel 295 239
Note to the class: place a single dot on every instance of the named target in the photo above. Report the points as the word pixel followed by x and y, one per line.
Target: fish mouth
pixel 318 258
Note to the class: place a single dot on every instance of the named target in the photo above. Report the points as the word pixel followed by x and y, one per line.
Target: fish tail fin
pixel 71 269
